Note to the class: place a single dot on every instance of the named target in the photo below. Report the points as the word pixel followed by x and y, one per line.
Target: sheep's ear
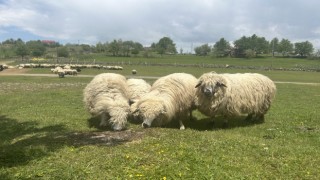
pixel 199 83
pixel 221 84
pixel 131 101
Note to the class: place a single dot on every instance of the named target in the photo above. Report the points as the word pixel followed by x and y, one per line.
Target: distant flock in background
pixel 117 100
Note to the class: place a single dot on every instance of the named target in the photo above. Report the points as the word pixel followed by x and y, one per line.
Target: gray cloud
pixel 146 21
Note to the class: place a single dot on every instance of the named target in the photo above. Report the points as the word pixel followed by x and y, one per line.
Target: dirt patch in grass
pixel 106 138
pixel 8 87
pixel 14 71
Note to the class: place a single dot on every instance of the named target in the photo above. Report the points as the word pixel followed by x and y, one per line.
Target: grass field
pixel 46 134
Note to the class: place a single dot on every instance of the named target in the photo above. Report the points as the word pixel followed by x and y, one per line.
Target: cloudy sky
pixel 187 22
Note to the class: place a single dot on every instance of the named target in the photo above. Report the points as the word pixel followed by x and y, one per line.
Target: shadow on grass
pixel 94 122
pixel 22 142
pixel 206 124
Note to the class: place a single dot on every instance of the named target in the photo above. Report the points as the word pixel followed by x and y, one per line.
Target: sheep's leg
pixel 212 123
pixel 255 117
pixel 259 117
pixel 190 116
pixel 249 117
pixel 181 125
pixel 225 122
pixel 103 119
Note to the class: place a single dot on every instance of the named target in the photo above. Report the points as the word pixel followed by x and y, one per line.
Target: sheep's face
pixel 209 88
pixel 151 112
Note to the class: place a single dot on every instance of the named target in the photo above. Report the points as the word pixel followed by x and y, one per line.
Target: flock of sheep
pixel 116 99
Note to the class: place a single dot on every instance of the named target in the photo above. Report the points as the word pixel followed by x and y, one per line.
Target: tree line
pixel 251 46
pixel 36 48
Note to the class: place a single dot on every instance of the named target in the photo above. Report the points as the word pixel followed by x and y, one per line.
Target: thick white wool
pixel 106 96
pixel 234 94
pixel 170 96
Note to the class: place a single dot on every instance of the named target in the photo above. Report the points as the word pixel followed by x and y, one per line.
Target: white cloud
pixel 146 21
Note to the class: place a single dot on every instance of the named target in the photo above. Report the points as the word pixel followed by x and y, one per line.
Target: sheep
pixel 56 70
pixel 171 97
pixel 137 88
pixel 232 95
pixel 73 72
pixel 106 96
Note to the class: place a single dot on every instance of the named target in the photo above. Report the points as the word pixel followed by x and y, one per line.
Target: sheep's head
pixel 151 112
pixel 210 85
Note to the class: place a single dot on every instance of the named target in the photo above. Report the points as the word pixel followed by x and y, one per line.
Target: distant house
pixel 48 42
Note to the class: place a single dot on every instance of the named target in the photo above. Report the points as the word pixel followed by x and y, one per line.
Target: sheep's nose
pixel 117 128
pixel 145 125
pixel 207 92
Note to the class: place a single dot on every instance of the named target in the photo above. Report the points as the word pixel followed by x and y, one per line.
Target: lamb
pixel 235 95
pixel 107 96
pixel 171 97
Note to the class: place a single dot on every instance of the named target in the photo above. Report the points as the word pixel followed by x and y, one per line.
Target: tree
pixel 62 52
pixel 114 47
pixel 303 48
pixel 22 50
pixel 258 44
pixel 125 47
pixel 241 45
pixel 36 48
pixel 221 48
pixel 285 47
pixel 274 46
pixel 86 48
pixel 100 47
pixel 202 50
pixel 166 45
pixel 249 53
pixel 137 47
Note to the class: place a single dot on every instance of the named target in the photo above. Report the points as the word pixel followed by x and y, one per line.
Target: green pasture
pixel 47 134
pixel 263 61
pixel 157 71
pixel 196 65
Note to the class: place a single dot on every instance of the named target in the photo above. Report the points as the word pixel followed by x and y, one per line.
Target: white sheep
pixel 235 95
pixel 137 88
pixel 171 97
pixel 106 96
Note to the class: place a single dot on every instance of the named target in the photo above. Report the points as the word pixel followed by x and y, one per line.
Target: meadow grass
pixel 47 134
pixel 264 61
pixel 171 64
pixel 155 71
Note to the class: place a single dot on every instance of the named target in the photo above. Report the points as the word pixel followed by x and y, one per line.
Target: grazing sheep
pixel 106 96
pixel 235 94
pixel 170 97
pixel 137 88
